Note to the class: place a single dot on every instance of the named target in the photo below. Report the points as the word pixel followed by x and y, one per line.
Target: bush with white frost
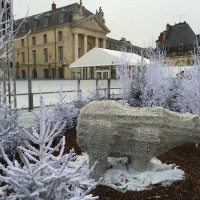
pixel 146 85
pixel 42 171
pixel 64 111
pixel 10 129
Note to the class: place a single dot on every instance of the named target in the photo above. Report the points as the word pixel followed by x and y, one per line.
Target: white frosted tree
pixel 64 111
pixel 188 91
pixel 78 101
pixel 146 84
pixel 96 95
pixel 10 129
pixel 42 172
pixel 156 89
pixel 9 125
pixel 137 85
pixel 124 73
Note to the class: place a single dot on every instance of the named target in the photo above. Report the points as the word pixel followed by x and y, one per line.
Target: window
pixel 60 53
pixel 60 36
pixel 34 56
pixel 34 73
pixel 180 48
pixel 23 73
pixel 61 17
pixel 46 73
pixel 35 23
pixel 23 27
pixel 45 55
pixel 45 38
pixel 33 40
pixel 22 42
pixel 23 57
pixel 61 72
pixel 167 48
pixel 46 20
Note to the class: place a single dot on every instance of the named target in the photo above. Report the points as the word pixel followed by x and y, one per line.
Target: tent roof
pixel 106 57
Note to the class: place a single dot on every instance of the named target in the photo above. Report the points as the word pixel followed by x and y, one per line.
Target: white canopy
pixel 106 57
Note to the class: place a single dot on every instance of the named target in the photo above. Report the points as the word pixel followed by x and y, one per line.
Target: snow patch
pixel 123 178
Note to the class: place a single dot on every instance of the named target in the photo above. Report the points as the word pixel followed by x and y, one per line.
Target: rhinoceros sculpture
pixel 109 129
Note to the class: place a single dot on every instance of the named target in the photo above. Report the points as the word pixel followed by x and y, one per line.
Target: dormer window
pixel 167 48
pixel 23 27
pixel 180 47
pixel 35 23
pixel 61 17
pixel 46 21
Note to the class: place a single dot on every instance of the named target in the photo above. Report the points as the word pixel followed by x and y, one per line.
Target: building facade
pixel 47 43
pixel 179 41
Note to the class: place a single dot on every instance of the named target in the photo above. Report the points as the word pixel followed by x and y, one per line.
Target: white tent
pixel 106 57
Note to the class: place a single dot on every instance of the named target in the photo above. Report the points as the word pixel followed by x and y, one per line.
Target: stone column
pixel 85 44
pixel 82 72
pixel 75 46
pixel 88 72
pixel 96 42
pixel 104 43
pixel 94 71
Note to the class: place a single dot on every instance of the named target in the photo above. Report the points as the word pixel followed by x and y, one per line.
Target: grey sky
pixel 139 21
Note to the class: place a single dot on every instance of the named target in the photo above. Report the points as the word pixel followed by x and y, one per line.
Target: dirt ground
pixel 186 156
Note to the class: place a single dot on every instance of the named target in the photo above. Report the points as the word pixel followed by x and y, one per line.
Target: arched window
pixel 46 73
pixel 61 72
pixel 34 73
pixel 23 73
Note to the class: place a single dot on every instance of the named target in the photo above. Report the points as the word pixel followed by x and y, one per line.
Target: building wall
pixel 90 31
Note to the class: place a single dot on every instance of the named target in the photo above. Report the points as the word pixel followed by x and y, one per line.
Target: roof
pixel 69 10
pixel 106 57
pixel 179 34
pixel 120 44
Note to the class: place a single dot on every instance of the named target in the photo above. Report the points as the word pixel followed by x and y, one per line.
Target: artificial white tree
pixel 42 172
pixel 124 74
pixel 188 90
pixel 78 101
pixel 156 88
pixel 9 125
pixel 64 111
pixel 97 94
pixel 146 85
pixel 10 128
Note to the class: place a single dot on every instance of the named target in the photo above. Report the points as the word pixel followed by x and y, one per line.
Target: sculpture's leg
pixel 101 166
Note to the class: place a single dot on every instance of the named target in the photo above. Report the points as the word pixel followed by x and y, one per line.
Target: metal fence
pixel 28 91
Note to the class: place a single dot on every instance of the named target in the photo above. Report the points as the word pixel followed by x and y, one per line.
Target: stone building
pixel 57 38
pixel 179 42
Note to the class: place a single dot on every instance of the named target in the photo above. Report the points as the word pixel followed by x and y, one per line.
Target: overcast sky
pixel 139 21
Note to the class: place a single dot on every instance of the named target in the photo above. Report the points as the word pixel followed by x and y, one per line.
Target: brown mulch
pixel 186 156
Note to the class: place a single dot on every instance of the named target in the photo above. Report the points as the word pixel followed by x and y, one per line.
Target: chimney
pixel 167 27
pixel 53 6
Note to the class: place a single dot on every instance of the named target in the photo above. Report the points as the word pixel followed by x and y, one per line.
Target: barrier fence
pixel 29 90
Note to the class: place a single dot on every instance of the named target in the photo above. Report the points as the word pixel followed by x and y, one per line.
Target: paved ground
pixel 27 118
